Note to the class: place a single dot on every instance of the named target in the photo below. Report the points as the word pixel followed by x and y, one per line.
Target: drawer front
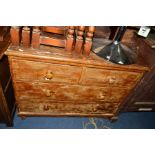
pixel 60 92
pixel 51 108
pixel 103 77
pixel 45 72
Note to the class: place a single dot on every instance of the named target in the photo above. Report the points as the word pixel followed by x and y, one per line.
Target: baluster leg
pixel 88 40
pixel 79 39
pixel 36 37
pixel 26 37
pixel 70 38
pixel 15 38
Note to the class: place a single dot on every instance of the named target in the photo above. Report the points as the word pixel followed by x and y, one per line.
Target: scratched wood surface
pixel 53 82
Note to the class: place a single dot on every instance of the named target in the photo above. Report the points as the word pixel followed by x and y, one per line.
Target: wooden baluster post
pixel 88 40
pixel 36 37
pixel 70 38
pixel 26 37
pixel 79 39
pixel 15 38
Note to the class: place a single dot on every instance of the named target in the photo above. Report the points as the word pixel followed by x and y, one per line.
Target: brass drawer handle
pixel 49 75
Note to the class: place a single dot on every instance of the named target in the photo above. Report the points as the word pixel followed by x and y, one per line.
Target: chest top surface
pixel 59 55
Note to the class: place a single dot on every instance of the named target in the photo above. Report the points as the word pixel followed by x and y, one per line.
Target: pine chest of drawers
pixel 52 82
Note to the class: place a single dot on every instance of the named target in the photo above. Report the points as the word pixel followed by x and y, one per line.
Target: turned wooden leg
pixel 70 38
pixel 4 32
pixel 88 40
pixel 79 39
pixel 26 37
pixel 36 37
pixel 15 38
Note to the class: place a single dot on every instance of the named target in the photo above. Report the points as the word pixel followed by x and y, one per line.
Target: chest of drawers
pixel 52 82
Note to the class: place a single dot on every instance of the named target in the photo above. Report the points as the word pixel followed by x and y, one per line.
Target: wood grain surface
pixel 53 82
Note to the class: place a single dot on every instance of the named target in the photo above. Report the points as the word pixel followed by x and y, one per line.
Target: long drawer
pixel 24 70
pixel 61 92
pixel 103 77
pixel 59 108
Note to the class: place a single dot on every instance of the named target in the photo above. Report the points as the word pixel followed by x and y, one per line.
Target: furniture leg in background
pixel 7 101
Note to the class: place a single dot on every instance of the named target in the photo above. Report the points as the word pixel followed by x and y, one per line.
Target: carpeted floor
pixel 130 120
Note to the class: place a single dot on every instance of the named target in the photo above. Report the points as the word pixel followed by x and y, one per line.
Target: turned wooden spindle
pixel 1 33
pixel 88 40
pixel 70 38
pixel 79 39
pixel 4 32
pixel 15 37
pixel 26 37
pixel 36 37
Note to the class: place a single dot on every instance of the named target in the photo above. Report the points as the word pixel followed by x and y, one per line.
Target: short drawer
pixel 103 77
pixel 70 108
pixel 45 72
pixel 61 92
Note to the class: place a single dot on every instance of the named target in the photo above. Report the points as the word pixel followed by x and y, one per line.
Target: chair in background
pixel 46 35
pixel 59 36
pixel 73 38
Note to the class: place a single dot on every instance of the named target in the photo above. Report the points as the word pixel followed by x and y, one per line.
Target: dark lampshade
pixel 116 52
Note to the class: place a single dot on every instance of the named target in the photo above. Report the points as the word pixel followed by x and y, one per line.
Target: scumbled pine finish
pixel 51 81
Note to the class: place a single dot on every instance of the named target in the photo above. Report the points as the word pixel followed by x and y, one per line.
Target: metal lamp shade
pixel 116 52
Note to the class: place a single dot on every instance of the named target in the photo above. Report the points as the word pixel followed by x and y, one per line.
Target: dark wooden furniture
pixel 7 101
pixel 142 98
pixel 50 81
